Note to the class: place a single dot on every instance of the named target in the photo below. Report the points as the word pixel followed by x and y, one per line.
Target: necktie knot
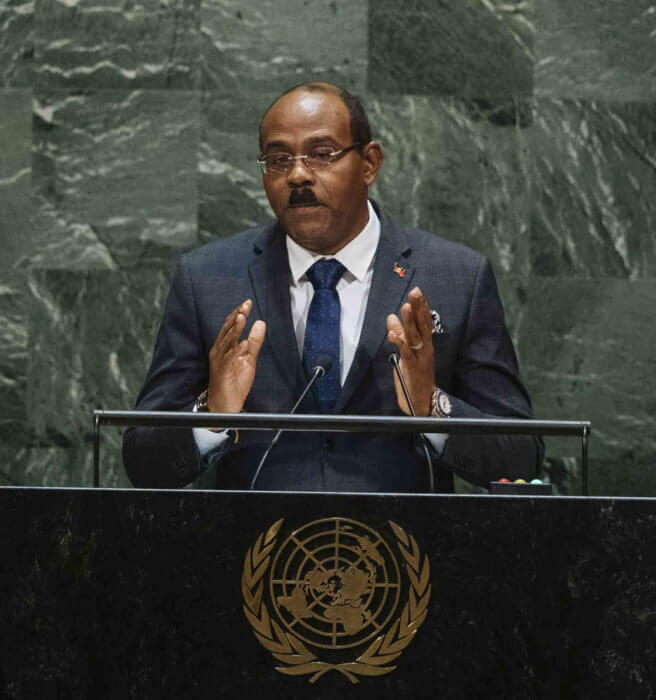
pixel 325 274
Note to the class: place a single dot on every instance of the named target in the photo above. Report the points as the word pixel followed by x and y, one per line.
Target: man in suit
pixel 248 317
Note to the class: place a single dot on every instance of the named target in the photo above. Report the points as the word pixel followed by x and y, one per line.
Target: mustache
pixel 302 196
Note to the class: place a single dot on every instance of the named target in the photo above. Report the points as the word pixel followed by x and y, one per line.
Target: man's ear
pixel 372 159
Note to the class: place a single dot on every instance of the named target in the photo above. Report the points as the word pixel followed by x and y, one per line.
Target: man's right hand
pixel 232 363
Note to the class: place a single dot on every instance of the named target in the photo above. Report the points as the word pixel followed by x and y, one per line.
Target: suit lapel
pixel 388 291
pixel 270 279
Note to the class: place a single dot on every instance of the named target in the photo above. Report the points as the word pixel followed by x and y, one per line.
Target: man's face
pixel 324 209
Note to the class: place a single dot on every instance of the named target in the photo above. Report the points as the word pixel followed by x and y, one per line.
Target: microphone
pixel 323 365
pixel 393 359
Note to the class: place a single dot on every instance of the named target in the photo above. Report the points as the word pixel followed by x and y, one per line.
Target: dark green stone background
pixel 128 134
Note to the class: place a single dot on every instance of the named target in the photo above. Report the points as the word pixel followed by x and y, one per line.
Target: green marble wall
pixel 524 128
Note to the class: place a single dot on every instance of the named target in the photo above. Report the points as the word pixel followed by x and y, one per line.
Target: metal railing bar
pixel 340 423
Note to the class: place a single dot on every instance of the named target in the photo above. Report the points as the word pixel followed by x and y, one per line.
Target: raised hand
pixel 233 362
pixel 412 334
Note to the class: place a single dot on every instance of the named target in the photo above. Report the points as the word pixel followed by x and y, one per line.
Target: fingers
pixel 414 328
pixel 421 313
pixel 233 363
pixel 253 344
pixel 412 333
pixel 232 327
pixel 395 332
pixel 421 316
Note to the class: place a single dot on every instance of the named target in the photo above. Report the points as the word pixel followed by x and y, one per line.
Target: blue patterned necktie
pixel 322 330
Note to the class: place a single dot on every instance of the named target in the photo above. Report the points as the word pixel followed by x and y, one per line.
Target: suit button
pixel 328 444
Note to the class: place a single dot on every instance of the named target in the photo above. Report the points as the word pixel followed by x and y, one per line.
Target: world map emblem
pixel 335 595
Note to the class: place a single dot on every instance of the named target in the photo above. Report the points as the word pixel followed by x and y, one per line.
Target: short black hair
pixel 359 124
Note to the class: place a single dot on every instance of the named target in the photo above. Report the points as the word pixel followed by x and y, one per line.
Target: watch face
pixel 444 404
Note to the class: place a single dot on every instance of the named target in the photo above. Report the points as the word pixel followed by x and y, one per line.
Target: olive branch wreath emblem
pixel 377 658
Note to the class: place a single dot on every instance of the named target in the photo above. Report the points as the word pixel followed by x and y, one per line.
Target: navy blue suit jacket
pixel 475 364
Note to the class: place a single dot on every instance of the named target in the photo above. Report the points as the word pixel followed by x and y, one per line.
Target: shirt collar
pixel 356 257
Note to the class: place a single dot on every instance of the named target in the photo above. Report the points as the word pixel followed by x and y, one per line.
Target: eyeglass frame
pixel 336 155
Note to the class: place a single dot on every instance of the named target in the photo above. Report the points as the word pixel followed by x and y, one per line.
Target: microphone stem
pixel 424 440
pixel 397 369
pixel 316 373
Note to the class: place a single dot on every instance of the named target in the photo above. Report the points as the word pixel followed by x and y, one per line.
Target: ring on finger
pixel 419 346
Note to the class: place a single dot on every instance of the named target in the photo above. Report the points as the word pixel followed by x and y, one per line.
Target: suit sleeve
pixel 165 457
pixel 487 385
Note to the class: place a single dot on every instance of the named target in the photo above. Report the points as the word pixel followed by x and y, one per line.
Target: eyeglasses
pixel 317 159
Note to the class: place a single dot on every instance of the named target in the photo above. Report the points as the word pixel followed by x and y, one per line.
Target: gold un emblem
pixel 334 588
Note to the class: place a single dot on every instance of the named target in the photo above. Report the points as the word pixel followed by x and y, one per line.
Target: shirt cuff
pixel 437 441
pixel 207 440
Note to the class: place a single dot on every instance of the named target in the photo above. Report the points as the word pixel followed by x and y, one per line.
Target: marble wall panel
pixel 268 45
pixel 15 179
pixel 63 466
pixel 112 44
pixel 16 43
pixel 596 49
pixel 588 354
pixel 231 195
pixel 513 291
pixel 91 338
pixel 594 209
pixel 460 169
pixel 13 366
pixel 467 48
pixel 115 182
pixel 627 475
pixel 631 475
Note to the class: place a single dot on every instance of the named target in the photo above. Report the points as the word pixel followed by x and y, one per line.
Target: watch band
pixel 201 403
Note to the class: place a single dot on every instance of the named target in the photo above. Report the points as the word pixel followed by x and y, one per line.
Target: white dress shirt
pixel 353 290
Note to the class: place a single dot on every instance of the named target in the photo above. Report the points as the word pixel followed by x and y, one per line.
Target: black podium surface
pixel 145 594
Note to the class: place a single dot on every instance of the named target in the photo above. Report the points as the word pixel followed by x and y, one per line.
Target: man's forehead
pixel 306 114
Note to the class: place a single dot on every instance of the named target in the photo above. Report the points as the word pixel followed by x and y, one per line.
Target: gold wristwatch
pixel 440 404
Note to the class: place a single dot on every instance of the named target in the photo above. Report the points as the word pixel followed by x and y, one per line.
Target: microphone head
pixel 392 351
pixel 325 362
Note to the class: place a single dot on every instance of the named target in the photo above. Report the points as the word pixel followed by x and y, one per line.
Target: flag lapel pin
pixel 400 271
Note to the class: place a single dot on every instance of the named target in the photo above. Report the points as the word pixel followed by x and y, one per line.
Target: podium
pixel 156 594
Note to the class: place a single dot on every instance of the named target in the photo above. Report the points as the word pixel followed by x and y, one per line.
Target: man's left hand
pixel 412 333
